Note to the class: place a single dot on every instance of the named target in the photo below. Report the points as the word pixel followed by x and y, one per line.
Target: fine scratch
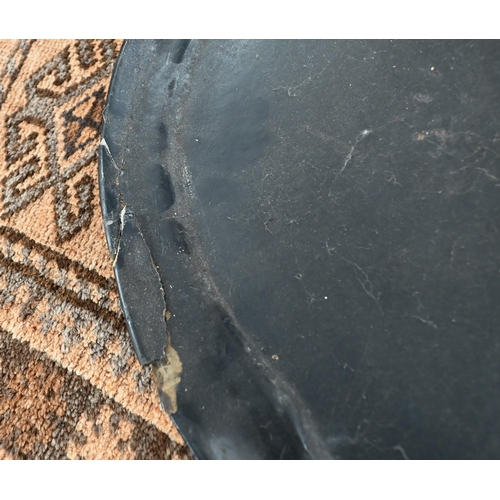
pixel 487 174
pixel 291 90
pixel 426 322
pixel 348 158
pixel 364 280
pixel 452 251
pixel 400 449
pixel 367 285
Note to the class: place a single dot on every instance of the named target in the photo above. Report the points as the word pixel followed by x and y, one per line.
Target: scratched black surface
pixel 324 220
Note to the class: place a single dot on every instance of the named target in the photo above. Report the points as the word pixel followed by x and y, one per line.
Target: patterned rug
pixel 70 385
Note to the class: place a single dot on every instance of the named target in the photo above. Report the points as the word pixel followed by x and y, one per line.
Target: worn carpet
pixel 70 385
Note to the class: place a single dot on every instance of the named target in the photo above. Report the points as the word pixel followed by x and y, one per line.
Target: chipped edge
pixel 167 374
pixel 122 224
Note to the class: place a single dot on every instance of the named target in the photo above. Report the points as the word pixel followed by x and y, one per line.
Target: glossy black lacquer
pixel 306 242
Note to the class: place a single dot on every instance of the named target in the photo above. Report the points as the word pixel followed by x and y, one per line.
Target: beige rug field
pixel 70 385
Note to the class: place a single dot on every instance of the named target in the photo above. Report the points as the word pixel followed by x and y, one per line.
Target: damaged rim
pixel 296 230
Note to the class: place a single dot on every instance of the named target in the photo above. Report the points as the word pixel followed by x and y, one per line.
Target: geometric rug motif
pixel 70 384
